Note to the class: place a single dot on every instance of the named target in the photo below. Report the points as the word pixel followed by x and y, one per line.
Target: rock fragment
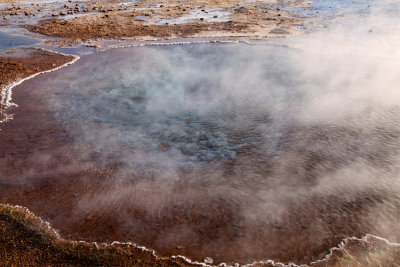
pixel 208 260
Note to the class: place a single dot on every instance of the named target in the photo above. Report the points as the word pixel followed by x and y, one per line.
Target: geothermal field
pixel 200 133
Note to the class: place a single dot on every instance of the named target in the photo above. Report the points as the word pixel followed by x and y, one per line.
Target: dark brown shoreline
pixel 20 63
pixel 25 240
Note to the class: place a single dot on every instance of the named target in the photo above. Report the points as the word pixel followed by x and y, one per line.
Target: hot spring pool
pixel 235 152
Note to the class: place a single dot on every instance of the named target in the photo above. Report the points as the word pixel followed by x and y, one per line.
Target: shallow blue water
pixel 8 41
pixel 361 8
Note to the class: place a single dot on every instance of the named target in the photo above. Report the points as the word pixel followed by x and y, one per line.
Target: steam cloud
pixel 263 136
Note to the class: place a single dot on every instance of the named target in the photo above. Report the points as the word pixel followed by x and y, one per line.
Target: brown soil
pixel 246 21
pixel 14 67
pixel 120 26
pixel 111 20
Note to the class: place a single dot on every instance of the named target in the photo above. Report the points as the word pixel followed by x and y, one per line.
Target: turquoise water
pixel 8 41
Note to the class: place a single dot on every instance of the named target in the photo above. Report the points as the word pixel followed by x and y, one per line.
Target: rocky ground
pixel 80 21
pixel 245 22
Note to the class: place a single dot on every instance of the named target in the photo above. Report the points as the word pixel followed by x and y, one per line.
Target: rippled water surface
pixel 236 152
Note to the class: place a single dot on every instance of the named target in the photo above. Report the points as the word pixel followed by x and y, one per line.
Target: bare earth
pixel 245 22
pixel 152 20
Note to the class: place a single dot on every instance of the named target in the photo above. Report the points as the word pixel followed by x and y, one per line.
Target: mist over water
pixel 236 152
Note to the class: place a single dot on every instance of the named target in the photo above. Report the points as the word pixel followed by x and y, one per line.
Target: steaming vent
pixel 234 152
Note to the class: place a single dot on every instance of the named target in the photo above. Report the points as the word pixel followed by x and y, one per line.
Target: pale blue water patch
pixel 79 50
pixel 8 41
pixel 357 7
pixel 357 12
pixel 205 14
pixel 332 8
